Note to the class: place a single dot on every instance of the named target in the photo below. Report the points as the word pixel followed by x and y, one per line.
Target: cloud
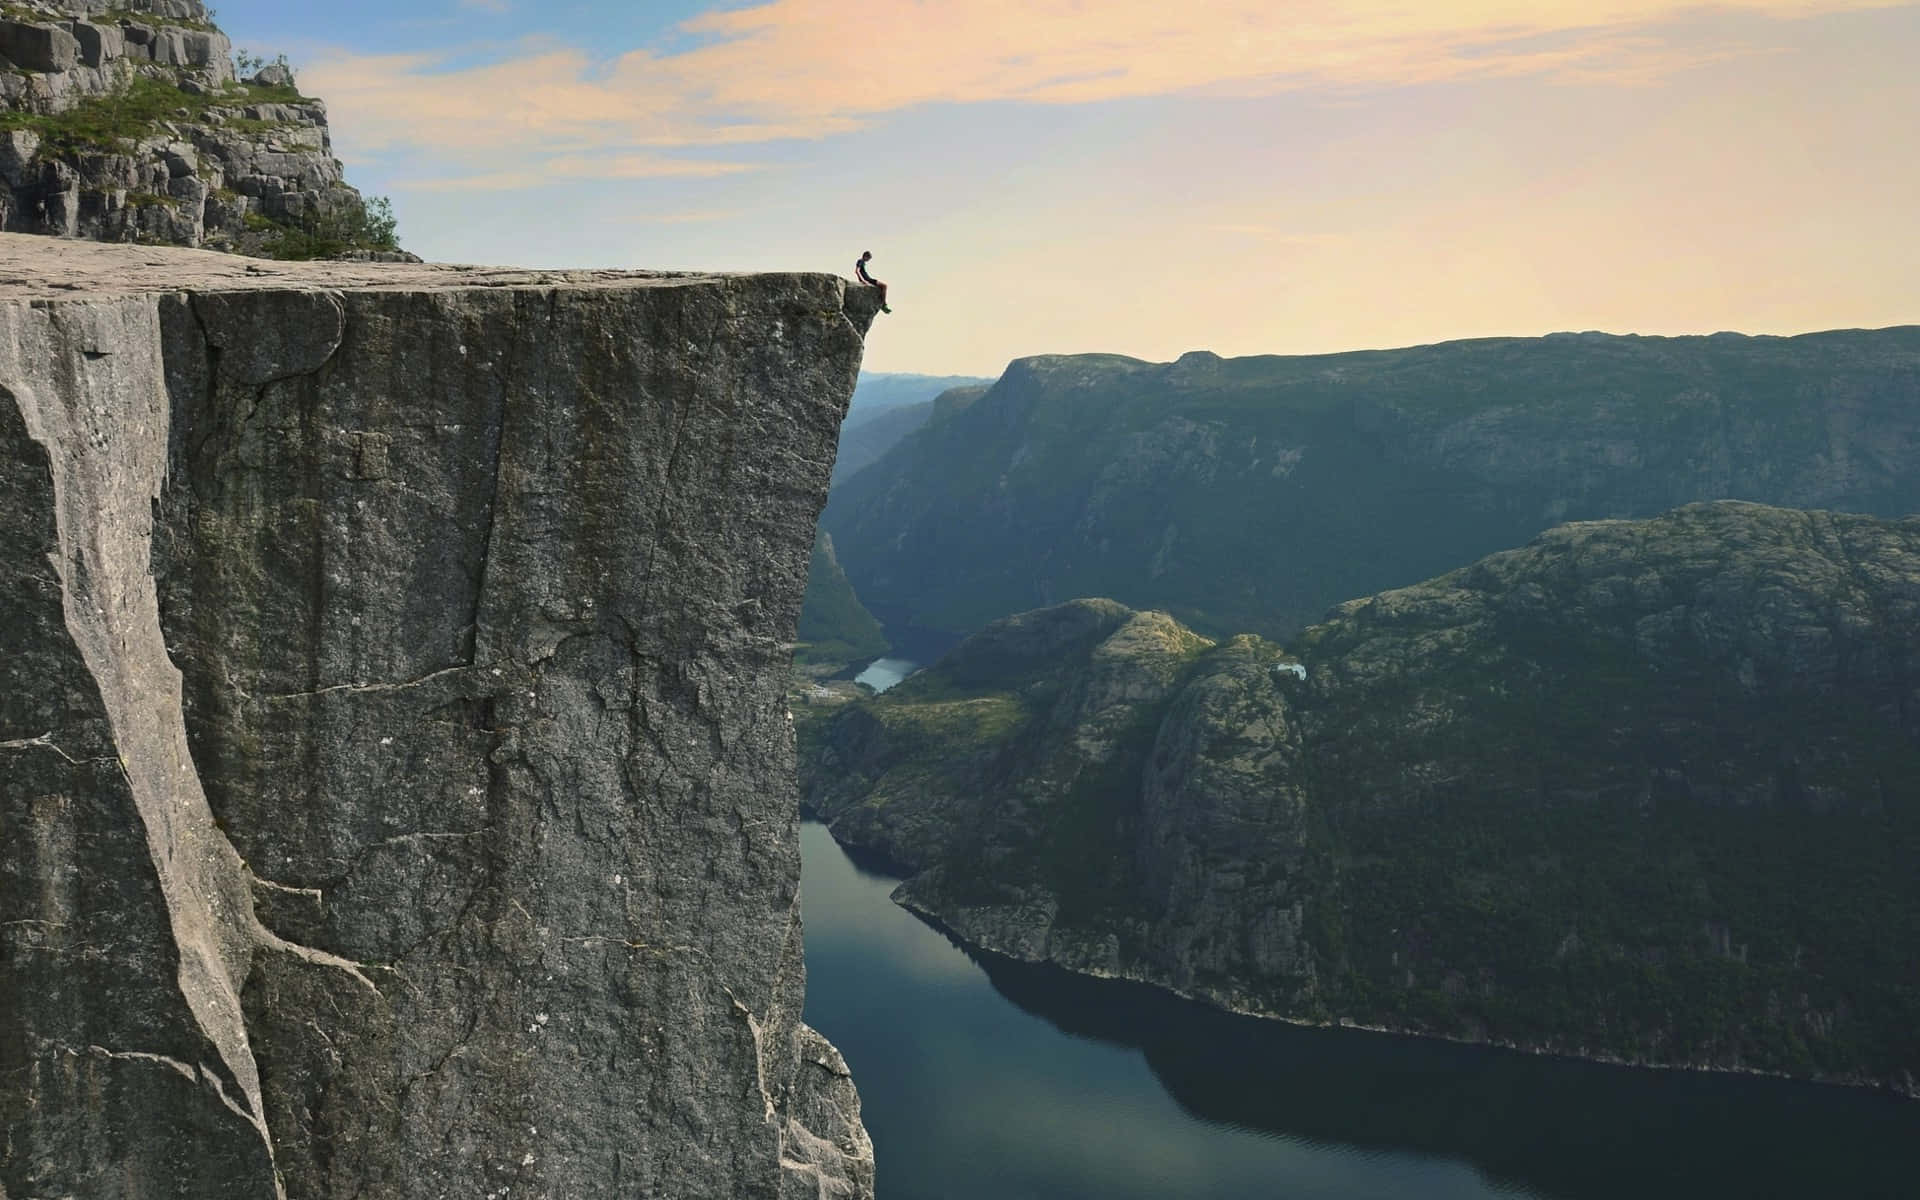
pixel 839 58
pixel 795 69
pixel 691 216
pixel 1285 237
pixel 491 181
pixel 639 166
pixel 576 166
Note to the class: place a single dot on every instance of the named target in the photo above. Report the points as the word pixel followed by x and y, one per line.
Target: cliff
pixel 1252 494
pixel 123 121
pixel 397 782
pixel 1627 793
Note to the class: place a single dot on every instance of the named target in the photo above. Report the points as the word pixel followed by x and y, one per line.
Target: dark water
pixel 985 1078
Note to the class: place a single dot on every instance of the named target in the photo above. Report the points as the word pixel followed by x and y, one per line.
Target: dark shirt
pixel 860 269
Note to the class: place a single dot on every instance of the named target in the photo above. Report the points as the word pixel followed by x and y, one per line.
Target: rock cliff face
pixel 395 776
pixel 1253 494
pixel 1625 793
pixel 122 121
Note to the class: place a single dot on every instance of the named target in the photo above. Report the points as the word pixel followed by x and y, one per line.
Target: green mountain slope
pixel 866 436
pixel 834 628
pixel 1253 493
pixel 863 442
pixel 832 619
pixel 1646 791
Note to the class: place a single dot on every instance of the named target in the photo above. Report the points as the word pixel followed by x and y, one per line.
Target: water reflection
pixel 1088 1088
pixel 883 673
pixel 1557 1127
pixel 967 1095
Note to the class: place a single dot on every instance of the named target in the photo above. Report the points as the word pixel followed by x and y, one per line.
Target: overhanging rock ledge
pixel 396 789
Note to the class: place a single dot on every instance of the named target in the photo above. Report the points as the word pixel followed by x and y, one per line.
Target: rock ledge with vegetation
pixel 124 121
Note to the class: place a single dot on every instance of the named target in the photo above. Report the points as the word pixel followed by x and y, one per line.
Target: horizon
pixel 1492 337
pixel 1348 175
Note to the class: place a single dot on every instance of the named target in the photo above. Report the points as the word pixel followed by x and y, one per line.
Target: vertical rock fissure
pixel 105 428
pixel 209 399
pixel 496 442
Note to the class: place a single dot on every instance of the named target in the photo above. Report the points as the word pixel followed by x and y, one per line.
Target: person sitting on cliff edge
pixel 860 271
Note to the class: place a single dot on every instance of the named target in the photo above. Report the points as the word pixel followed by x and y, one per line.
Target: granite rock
pixel 397 792
pixel 246 166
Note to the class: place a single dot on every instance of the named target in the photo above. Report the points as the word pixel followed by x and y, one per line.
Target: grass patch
pixel 156 20
pixel 370 227
pixel 116 122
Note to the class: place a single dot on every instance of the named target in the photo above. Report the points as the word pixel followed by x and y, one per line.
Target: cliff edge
pixel 395 778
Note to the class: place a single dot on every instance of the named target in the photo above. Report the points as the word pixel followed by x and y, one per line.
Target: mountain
pixel 879 391
pixel 126 121
pixel 868 436
pixel 1254 493
pixel 833 625
pixel 884 410
pixel 396 790
pixel 1643 791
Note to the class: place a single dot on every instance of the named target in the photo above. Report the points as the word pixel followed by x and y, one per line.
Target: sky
pixel 1149 177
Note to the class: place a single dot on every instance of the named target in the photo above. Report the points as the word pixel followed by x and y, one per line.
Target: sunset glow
pixel 1148 178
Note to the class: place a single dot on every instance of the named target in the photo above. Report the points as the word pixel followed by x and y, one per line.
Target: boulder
pixel 273 75
pixel 17 150
pixel 99 44
pixel 39 47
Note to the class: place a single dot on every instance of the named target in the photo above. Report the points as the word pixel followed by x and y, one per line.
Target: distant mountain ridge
pixel 834 626
pixel 879 391
pixel 1640 791
pixel 1254 493
pixel 865 439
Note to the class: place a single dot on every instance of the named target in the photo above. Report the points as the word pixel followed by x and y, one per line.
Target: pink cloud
pixel 794 69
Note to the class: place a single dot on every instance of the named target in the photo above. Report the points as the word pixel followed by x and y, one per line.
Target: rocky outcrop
pixel 122 121
pixel 1625 793
pixel 1253 494
pixel 395 773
